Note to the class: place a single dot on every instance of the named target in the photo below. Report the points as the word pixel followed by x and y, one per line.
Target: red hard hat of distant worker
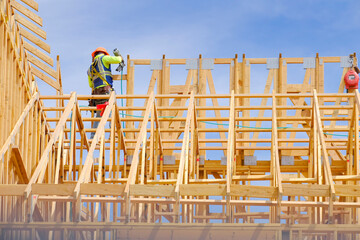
pixel 351 79
pixel 99 49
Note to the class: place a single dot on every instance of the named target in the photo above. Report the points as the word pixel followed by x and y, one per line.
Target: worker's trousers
pixel 95 124
pixel 99 91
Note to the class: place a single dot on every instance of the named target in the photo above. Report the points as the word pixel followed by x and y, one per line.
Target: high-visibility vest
pixel 99 73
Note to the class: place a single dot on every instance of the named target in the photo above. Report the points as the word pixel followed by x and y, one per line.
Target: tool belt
pixel 105 90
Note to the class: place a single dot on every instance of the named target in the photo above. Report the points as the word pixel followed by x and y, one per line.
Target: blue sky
pixel 184 29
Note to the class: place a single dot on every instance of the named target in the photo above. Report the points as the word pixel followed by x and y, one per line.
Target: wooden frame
pixel 161 160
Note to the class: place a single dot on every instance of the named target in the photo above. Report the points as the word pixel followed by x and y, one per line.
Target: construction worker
pixel 100 77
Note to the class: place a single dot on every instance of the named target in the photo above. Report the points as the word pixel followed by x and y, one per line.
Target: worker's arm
pixel 107 60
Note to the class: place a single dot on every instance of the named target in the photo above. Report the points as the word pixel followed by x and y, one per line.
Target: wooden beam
pixel 45 78
pixel 12 189
pixel 23 21
pixel 26 12
pixel 152 190
pixel 31 3
pixel 306 190
pixel 41 44
pixel 202 190
pixel 42 66
pixel 102 189
pixel 52 189
pixel 17 160
pixel 253 191
pixel 38 53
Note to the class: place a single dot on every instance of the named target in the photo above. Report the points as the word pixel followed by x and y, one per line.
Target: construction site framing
pixel 181 160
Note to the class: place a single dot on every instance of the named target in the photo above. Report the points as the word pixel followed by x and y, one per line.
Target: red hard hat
pixel 99 49
pixel 351 79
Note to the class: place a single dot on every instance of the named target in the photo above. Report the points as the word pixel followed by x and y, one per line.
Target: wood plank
pixel 46 58
pixel 23 21
pixel 152 190
pixel 294 152
pixel 40 43
pixel 12 189
pixel 45 78
pixel 19 165
pixel 202 190
pixel 347 190
pixel 31 3
pixel 253 191
pixel 53 189
pixel 306 190
pixel 102 189
pixel 26 12
pixel 117 77
pixel 42 65
pixel 179 89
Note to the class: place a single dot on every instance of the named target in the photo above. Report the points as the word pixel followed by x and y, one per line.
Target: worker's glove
pixel 122 64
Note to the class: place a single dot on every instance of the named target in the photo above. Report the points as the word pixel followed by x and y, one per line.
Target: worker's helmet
pixel 99 49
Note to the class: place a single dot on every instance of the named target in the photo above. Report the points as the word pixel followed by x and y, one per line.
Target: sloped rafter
pixel 84 176
pixel 184 157
pixel 327 169
pixel 135 161
pixel 275 161
pixel 230 157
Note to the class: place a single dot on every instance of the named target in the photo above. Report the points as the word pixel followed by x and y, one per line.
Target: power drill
pixel 122 64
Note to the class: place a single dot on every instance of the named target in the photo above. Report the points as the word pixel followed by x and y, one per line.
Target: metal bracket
pixel 201 160
pixel 272 63
pixel 207 63
pixel 250 160
pixel 287 160
pixel 345 62
pixel 223 160
pixel 309 62
pixel 167 159
pixel 129 159
pixel 156 64
pixel 192 64
pixel 322 160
